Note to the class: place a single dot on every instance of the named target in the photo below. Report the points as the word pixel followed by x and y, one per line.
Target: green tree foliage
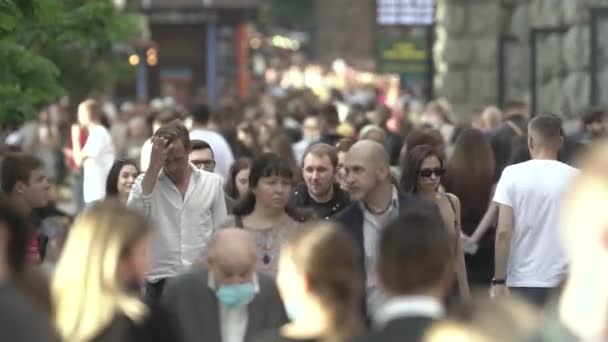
pixel 290 14
pixel 53 47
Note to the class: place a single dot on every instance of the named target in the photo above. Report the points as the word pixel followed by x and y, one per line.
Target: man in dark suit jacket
pixel 414 268
pixel 377 202
pixel 230 302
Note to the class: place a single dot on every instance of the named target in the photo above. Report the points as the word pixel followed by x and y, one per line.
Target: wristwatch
pixel 499 281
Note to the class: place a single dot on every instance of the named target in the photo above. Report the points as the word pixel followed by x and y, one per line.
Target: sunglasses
pixel 426 173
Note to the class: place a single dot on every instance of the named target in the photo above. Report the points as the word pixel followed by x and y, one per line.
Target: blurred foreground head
pixel 584 304
pixel 105 256
pixel 507 319
pixel 318 281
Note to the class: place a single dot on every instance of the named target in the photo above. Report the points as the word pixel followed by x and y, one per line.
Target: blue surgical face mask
pixel 236 295
pixel 294 310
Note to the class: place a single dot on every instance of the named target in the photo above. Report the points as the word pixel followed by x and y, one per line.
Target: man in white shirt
pixel 415 270
pixel 529 256
pixel 223 153
pixel 184 203
pixel 230 302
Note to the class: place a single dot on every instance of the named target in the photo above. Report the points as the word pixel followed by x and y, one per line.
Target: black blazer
pixel 404 329
pixel 196 307
pixel 157 326
pixel 351 219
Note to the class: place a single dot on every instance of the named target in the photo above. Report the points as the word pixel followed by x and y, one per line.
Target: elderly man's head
pixel 373 133
pixel 232 257
pixel 367 166
pixel 231 261
pixel 492 118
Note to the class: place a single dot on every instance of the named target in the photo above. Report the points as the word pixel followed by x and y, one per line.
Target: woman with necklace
pixel 265 209
pixel 422 171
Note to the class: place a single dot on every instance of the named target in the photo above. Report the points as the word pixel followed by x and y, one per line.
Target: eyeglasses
pixel 426 173
pixel 207 165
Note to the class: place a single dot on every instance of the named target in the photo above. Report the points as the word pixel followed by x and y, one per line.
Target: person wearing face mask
pixel 229 302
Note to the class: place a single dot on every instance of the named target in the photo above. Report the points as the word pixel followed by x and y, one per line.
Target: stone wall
pixel 468 34
pixel 465 52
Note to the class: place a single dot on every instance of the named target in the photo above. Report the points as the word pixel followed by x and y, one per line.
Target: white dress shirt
pixel 183 226
pixel 221 150
pixel 408 306
pixel 144 155
pixel 372 228
pixel 233 322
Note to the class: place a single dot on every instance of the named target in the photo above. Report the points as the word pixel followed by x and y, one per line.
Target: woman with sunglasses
pixel 422 170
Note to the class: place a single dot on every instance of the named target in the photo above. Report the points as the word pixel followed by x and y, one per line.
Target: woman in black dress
pixel 470 176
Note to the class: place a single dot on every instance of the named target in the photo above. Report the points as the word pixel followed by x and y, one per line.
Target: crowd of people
pixel 288 218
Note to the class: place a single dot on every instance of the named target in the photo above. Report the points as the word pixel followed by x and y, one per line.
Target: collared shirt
pixel 183 226
pixel 372 227
pixel 408 306
pixel 233 322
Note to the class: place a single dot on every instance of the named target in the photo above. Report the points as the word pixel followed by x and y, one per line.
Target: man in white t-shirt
pixel 529 257
pixel 97 154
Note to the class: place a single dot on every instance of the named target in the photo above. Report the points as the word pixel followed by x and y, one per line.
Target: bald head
pixel 367 169
pixel 231 252
pixel 374 133
pixel 492 117
pixel 369 152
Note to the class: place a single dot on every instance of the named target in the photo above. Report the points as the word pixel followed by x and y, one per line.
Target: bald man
pixel 229 302
pixel 529 257
pixel 377 203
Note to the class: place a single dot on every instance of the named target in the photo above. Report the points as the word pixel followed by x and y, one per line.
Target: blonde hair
pixel 334 274
pixel 583 305
pixel 86 291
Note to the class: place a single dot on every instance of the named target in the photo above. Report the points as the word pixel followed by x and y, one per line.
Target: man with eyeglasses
pixel 203 158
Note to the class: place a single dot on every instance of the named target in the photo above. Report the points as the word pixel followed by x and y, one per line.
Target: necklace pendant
pixel 266 259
